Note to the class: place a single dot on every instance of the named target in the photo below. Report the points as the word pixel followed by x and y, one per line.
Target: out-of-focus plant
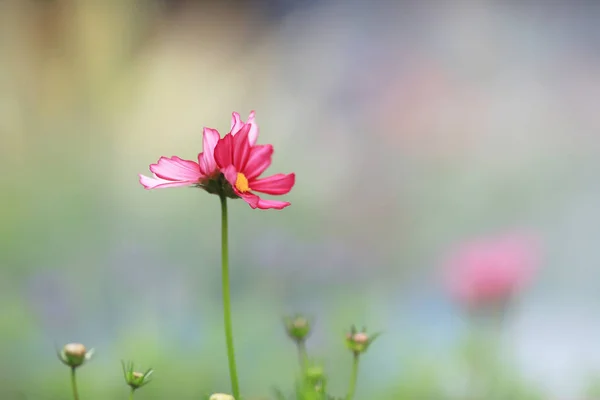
pixel 135 379
pixel 74 355
pixel 484 276
pixel 298 329
pixel 312 382
pixel 358 343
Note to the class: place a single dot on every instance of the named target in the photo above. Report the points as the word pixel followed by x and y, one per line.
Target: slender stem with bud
pixel 131 394
pixel 226 299
pixel 353 378
pixel 74 384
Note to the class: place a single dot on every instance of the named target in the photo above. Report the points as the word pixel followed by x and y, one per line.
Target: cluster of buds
pixel 297 327
pixel 75 355
pixel 359 341
pixel 136 379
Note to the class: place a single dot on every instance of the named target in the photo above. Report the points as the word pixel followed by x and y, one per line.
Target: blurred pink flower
pixel 242 162
pixel 492 269
pixel 174 171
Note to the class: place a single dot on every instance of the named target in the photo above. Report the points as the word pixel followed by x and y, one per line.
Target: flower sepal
pixel 219 186
pixel 136 379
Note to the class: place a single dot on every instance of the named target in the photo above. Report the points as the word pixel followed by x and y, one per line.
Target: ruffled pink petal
pixel 237 124
pixel 158 183
pixel 176 169
pixel 258 160
pixel 250 198
pixel 253 134
pixel 224 151
pixel 241 148
pixel 256 202
pixel 277 184
pixel 206 159
pixel 267 204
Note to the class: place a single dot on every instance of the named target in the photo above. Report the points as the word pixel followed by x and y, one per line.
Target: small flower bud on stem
pixel 358 343
pixel 135 379
pixel 74 355
pixel 298 329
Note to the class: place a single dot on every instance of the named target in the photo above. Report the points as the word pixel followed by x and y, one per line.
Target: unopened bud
pixel 360 338
pixel 221 396
pixel 297 327
pixel 358 342
pixel 314 372
pixel 136 379
pixel 75 354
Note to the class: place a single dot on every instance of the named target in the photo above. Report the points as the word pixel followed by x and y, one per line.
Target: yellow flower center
pixel 241 183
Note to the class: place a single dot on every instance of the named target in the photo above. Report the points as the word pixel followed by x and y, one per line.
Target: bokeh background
pixel 411 125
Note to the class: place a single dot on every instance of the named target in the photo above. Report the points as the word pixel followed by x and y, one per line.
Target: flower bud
pixel 314 372
pixel 359 342
pixel 136 379
pixel 75 354
pixel 221 396
pixel 297 327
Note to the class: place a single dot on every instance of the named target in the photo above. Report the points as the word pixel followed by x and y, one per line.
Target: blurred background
pixel 412 126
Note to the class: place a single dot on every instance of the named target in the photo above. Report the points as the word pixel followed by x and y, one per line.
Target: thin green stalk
pixel 226 299
pixel 74 384
pixel 353 378
pixel 302 355
pixel 131 394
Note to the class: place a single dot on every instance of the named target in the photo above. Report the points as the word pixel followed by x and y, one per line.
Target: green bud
pixel 297 327
pixel 359 342
pixel 314 372
pixel 75 355
pixel 135 379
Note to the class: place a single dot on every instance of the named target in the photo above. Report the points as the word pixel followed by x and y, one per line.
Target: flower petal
pixel 230 174
pixel 258 160
pixel 275 184
pixel 206 159
pixel 176 169
pixel 237 124
pixel 250 198
pixel 267 204
pixel 253 135
pixel 224 151
pixel 158 183
pixel 241 148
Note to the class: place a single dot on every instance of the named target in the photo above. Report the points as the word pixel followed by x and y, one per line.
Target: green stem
pixel 74 384
pixel 302 355
pixel 226 299
pixel 353 378
pixel 131 394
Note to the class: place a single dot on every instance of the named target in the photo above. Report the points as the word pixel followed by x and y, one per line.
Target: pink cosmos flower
pixel 242 162
pixel 174 171
pixel 491 269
